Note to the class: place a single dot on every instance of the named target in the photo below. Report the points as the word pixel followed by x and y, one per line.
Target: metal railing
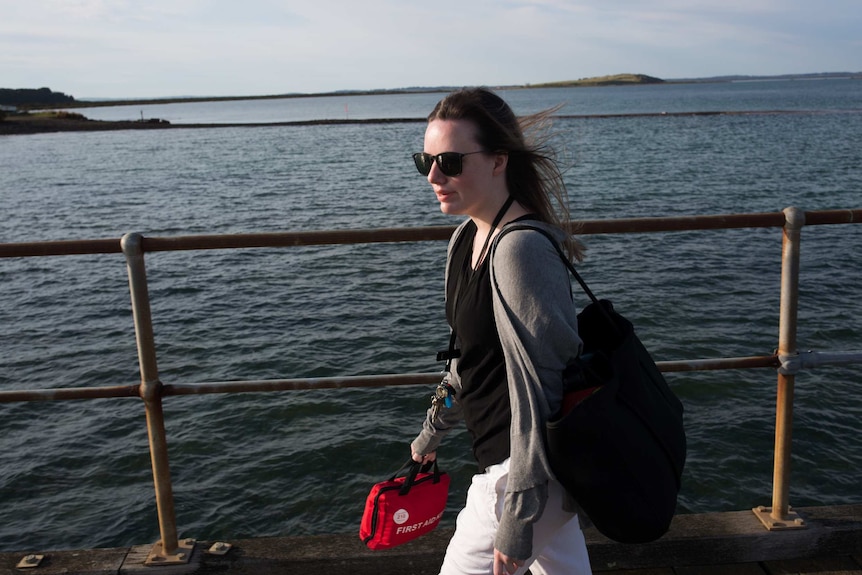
pixel 170 551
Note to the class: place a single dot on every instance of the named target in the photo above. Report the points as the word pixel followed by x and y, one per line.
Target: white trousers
pixel 558 543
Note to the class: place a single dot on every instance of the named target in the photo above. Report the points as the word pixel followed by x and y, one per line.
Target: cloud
pixel 220 47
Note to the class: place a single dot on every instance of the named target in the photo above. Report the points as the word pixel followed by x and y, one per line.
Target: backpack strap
pixel 566 261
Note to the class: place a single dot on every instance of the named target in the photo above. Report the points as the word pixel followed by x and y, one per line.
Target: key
pixel 443 395
pixel 435 407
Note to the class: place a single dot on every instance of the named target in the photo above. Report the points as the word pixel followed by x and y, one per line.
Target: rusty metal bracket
pixel 181 556
pixel 790 521
pixel 30 561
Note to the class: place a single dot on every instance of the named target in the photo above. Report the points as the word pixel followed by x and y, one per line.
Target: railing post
pixel 168 550
pixel 780 515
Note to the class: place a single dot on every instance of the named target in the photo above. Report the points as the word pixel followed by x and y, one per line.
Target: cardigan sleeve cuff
pixel 520 511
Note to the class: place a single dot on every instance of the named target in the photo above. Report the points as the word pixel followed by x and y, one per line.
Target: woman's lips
pixel 443 195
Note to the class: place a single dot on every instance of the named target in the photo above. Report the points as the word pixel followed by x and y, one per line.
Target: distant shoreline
pixel 615 80
pixel 611 80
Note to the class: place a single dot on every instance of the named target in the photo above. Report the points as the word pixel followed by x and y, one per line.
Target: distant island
pixel 615 80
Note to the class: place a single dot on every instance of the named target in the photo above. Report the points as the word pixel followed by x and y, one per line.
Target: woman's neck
pixel 484 222
pixel 487 228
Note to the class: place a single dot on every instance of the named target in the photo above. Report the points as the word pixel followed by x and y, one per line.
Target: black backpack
pixel 618 444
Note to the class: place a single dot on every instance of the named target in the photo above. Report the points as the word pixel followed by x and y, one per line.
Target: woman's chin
pixel 450 208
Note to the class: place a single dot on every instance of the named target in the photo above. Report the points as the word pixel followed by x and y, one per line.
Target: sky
pixel 169 48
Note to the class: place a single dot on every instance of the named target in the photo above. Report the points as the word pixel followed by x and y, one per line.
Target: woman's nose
pixel 436 175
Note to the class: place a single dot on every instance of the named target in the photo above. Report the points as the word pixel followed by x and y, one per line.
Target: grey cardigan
pixel 537 323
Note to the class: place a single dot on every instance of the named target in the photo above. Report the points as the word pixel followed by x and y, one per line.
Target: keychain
pixel 443 396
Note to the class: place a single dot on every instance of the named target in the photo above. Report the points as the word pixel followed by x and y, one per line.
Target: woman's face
pixel 473 192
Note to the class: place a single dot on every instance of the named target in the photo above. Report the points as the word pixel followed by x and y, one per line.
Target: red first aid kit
pixel 403 508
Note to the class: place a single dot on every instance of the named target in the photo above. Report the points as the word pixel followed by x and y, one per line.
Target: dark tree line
pixel 31 97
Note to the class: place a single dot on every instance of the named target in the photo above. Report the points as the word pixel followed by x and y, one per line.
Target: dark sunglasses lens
pixel 423 162
pixel 450 163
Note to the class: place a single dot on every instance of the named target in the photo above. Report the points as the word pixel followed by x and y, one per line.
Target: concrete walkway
pixel 710 544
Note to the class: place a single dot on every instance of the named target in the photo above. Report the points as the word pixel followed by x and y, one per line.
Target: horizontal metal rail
pixel 363 381
pixel 68 393
pixel 810 359
pixel 429 233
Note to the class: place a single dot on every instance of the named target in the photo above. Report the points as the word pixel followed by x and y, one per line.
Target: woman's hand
pixel 424 458
pixel 503 564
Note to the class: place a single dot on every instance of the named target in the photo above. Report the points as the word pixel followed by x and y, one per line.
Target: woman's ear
pixel 501 160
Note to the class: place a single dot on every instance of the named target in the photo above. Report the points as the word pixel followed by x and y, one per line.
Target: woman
pixel 509 303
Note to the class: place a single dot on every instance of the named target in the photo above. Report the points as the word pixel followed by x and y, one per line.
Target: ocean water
pixel 77 474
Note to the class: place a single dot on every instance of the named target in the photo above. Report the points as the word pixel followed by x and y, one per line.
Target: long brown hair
pixel 532 175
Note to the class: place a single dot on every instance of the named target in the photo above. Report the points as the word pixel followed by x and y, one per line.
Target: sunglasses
pixel 450 163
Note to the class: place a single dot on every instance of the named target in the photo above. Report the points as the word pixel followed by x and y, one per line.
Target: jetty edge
pixel 73 122
pixel 829 541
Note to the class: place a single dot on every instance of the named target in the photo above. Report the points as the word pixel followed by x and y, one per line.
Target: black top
pixel 482 367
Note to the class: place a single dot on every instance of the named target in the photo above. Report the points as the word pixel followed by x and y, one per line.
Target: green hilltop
pixel 18 97
pixel 612 80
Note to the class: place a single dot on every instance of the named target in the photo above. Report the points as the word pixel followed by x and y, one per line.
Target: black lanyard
pixel 453 353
